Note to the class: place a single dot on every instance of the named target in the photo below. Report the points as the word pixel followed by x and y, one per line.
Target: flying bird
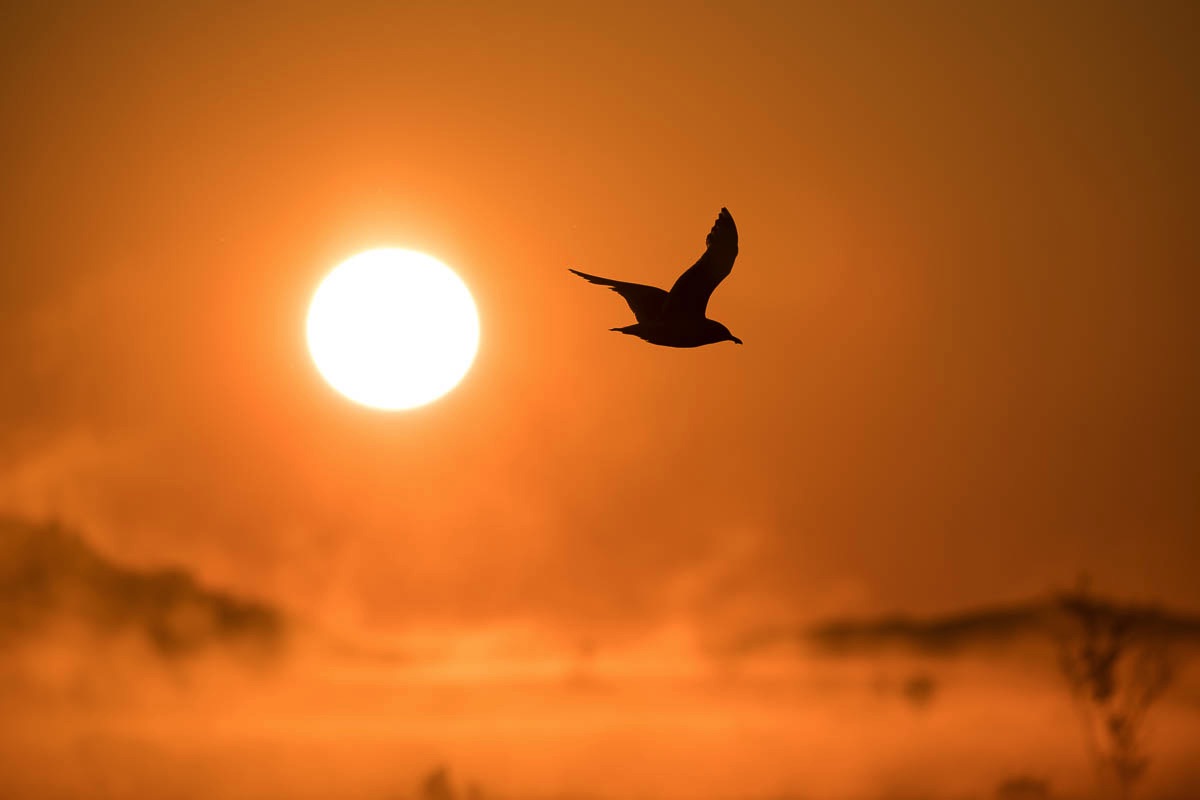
pixel 677 318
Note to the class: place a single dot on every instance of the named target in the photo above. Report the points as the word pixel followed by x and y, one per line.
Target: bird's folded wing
pixel 646 302
pixel 689 296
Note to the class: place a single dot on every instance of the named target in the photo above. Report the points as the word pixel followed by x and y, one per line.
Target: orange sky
pixel 967 287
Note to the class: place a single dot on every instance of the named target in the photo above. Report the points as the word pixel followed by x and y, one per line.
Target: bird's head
pixel 721 333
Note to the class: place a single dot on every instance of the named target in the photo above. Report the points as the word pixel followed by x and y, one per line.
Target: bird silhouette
pixel 677 318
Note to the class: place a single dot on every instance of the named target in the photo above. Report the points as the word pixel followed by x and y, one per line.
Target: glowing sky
pixel 967 287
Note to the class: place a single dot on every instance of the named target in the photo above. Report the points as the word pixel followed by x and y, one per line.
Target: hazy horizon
pixel 152 684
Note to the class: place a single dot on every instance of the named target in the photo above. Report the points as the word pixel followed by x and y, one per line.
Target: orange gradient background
pixel 967 285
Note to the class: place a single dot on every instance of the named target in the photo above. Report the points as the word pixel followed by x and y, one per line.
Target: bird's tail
pixel 594 278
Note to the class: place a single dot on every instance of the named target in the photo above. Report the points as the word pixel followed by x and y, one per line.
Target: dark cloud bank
pixel 49 574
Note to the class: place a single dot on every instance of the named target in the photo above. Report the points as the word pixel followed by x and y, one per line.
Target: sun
pixel 393 329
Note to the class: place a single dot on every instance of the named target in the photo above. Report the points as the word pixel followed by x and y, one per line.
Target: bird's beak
pixel 736 340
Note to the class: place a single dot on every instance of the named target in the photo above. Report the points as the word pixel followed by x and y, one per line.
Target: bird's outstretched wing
pixel 689 296
pixel 646 302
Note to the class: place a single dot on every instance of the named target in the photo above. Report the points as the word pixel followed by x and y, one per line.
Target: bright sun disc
pixel 393 329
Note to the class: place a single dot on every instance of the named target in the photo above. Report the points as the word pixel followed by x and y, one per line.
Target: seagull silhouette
pixel 676 318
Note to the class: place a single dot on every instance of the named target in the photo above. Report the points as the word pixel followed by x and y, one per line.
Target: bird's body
pixel 689 333
pixel 677 318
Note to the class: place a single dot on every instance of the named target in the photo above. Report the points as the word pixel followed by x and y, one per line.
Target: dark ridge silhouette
pixel 939 634
pixel 977 628
pixel 48 574
pixel 677 318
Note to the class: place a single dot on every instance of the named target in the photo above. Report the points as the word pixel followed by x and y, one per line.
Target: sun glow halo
pixel 393 329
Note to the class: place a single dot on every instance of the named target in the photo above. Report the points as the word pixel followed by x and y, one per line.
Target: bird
pixel 677 318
